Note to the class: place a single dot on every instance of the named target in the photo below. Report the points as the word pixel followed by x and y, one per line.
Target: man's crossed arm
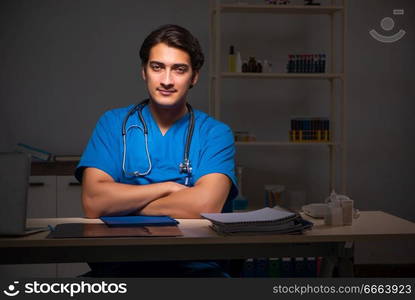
pixel 101 195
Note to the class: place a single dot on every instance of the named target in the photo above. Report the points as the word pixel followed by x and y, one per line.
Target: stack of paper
pixel 266 220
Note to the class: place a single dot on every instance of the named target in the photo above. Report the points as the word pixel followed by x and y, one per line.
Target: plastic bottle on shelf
pixel 231 60
pixel 245 66
pixel 238 67
pixel 252 64
pixel 259 67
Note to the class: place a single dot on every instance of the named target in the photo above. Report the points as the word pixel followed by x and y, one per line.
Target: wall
pixel 63 63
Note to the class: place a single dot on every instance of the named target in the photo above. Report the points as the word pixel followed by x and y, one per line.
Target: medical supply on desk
pixel 337 210
pixel 340 210
pixel 347 207
pixel 334 215
pixel 185 166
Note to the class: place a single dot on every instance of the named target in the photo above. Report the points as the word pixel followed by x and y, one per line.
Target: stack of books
pixel 267 220
pixel 306 63
pixel 310 130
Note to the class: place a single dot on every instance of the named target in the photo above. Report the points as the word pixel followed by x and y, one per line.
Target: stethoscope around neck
pixel 184 166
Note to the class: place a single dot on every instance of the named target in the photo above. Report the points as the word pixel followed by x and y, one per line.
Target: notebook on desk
pixel 14 185
pixel 276 220
pixel 265 215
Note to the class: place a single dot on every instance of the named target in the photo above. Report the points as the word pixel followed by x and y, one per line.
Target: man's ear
pixel 143 73
pixel 194 79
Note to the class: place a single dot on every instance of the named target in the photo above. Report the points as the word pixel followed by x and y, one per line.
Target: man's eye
pixel 181 70
pixel 155 67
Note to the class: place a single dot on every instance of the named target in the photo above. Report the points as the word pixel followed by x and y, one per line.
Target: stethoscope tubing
pixel 185 166
pixel 136 173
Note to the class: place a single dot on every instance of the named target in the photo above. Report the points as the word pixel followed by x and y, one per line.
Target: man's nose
pixel 167 80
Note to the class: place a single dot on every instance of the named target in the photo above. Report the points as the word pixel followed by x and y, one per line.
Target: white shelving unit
pixel 335 73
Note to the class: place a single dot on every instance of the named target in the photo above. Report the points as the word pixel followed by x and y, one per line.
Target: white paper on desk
pixel 266 214
pixel 297 228
pixel 256 227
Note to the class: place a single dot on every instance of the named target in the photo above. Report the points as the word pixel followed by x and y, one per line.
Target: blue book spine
pixel 248 268
pixel 300 269
pixel 311 265
pixel 261 267
pixel 287 267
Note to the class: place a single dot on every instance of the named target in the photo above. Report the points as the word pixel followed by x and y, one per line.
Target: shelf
pixel 280 9
pixel 282 75
pixel 334 80
pixel 270 143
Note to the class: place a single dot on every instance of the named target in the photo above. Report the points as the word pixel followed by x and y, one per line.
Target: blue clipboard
pixel 131 221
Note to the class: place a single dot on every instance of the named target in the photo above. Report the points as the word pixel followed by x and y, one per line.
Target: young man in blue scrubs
pixel 132 176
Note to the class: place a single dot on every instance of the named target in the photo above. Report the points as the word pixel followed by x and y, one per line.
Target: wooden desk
pixel 201 242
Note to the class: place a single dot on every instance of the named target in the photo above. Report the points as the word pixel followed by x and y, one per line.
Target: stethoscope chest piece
pixel 185 167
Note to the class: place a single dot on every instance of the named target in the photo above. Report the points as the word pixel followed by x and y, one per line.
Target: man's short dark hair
pixel 177 37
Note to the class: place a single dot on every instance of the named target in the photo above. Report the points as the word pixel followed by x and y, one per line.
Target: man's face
pixel 168 75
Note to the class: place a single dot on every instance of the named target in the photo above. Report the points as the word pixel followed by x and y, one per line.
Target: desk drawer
pixel 68 195
pixel 41 201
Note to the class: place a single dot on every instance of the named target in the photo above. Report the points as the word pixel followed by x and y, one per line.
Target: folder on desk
pixel 131 221
pixel 85 230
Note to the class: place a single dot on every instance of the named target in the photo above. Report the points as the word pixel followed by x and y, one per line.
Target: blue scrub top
pixel 212 149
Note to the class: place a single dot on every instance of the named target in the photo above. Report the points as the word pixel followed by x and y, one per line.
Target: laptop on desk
pixel 14 185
